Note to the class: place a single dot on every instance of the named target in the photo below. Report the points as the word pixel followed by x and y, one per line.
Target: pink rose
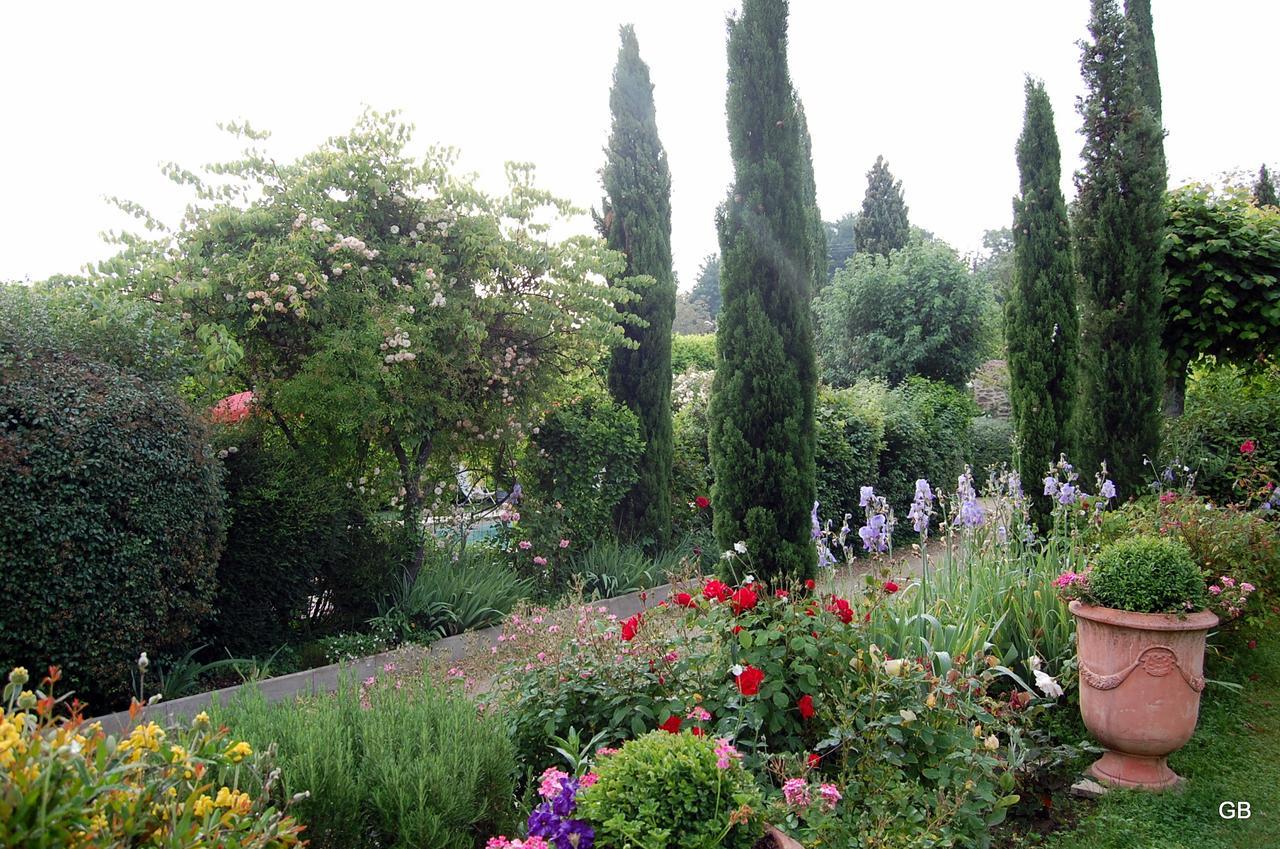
pixel 1215 589
pixel 541 561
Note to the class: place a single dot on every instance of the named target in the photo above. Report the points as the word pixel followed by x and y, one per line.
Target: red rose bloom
pixel 809 584
pixel 743 599
pixel 814 760
pixel 685 600
pixel 737 628
pixel 702 502
pixel 672 725
pixel 805 705
pixel 1247 447
pixel 749 681
pixel 716 591
pixel 630 627
pixel 696 731
pixel 890 587
pixel 781 593
pixel 840 607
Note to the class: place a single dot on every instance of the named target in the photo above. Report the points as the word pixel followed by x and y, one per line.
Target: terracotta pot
pixel 1140 680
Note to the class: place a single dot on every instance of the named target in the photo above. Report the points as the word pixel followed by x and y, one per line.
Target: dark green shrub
pixel 992 445
pixel 666 790
pixel 577 467
pixel 111 519
pixel 1147 574
pixel 851 427
pixel 927 435
pixel 475 590
pixel 693 351
pixel 1225 406
pixel 295 534
pixel 691 472
pixel 394 763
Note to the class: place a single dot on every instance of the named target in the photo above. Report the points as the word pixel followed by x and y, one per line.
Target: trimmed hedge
pixel 693 351
pixel 111 519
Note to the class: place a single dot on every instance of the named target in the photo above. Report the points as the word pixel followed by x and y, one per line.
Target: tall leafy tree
pixel 840 245
pixel 1119 232
pixel 761 417
pixel 1264 190
pixel 637 221
pixel 707 287
pixel 1041 328
pixel 882 226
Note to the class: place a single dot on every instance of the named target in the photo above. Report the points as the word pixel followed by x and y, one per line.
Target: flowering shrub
pixel 672 790
pixel 64 783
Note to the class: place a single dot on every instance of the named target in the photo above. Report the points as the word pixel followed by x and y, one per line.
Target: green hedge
pixel 111 519
pixel 698 351
pixel 928 434
pixel 992 445
pixel 851 431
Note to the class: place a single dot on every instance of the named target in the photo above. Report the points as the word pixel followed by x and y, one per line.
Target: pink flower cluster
pixel 552 781
pixel 798 794
pixel 1230 596
pixel 501 842
pixel 726 754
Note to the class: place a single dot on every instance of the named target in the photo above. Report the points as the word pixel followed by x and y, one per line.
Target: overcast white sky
pixel 96 95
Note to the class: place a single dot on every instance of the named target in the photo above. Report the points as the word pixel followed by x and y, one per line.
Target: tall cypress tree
pixel 1119 232
pixel 761 418
pixel 1141 51
pixel 1264 190
pixel 817 230
pixel 1041 328
pixel 637 221
pixel 882 226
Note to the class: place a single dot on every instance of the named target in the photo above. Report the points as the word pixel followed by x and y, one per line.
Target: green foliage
pixel 992 445
pixel 1264 190
pixel 1147 574
pixel 762 408
pixel 1119 232
pixel 1041 328
pixel 851 437
pixel 707 287
pixel 398 763
pixel 385 313
pixel 693 351
pixel 663 791
pixel 576 469
pixel 1225 406
pixel 882 226
pixel 112 518
pixel 637 222
pixel 691 472
pixel 609 568
pixel 1222 298
pixel 840 243
pixel 916 312
pixel 294 534
pixel 452 594
pixel 926 435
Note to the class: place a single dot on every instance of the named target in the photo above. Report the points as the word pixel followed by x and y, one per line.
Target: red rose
pixel 737 628
pixel 814 760
pixel 1247 446
pixel 702 502
pixel 685 600
pixel 890 587
pixel 716 591
pixel 805 705
pixel 743 599
pixel 809 584
pixel 781 593
pixel 696 731
pixel 840 607
pixel 672 725
pixel 630 627
pixel 749 681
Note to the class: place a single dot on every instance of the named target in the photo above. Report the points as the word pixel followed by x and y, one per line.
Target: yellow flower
pixel 27 700
pixel 18 676
pixel 203 805
pixel 201 720
pixel 239 752
pixel 224 798
pixel 230 799
pixel 177 754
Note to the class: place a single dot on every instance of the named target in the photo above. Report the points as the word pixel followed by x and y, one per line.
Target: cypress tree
pixel 1264 190
pixel 1142 53
pixel 817 230
pixel 1041 328
pixel 761 418
pixel 1119 232
pixel 637 221
pixel 882 226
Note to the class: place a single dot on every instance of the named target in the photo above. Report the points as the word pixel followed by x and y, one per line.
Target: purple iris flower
pixel 1067 495
pixel 1108 489
pixel 865 494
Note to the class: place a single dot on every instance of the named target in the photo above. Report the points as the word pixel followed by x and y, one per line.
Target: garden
pixel 912 552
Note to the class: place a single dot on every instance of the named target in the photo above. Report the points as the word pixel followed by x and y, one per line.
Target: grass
pixel 1234 756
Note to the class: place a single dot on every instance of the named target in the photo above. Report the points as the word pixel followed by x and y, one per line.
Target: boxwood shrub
pixel 1146 574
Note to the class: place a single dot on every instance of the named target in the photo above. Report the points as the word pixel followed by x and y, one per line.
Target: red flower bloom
pixel 716 591
pixel 1247 447
pixel 749 681
pixel 696 731
pixel 890 587
pixel 805 705
pixel 672 725
pixel 630 628
pixel 809 584
pixel 685 600
pixel 743 599
pixel 737 628
pixel 840 607
pixel 702 502
pixel 814 760
pixel 781 593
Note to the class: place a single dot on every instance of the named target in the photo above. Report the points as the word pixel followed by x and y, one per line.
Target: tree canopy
pixel 882 226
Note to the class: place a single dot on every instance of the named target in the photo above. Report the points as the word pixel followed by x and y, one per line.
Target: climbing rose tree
pixel 390 318
pixel 762 407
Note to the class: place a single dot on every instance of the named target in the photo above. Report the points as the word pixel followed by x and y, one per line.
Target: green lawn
pixel 1235 756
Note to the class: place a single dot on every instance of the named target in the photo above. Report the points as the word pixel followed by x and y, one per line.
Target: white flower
pixel 750 579
pixel 908 716
pixel 740 547
pixel 143 662
pixel 725 555
pixel 736 670
pixel 894 667
pixel 395 229
pixel 1047 685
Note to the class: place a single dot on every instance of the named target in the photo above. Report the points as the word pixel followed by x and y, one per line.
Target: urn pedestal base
pixel 1116 769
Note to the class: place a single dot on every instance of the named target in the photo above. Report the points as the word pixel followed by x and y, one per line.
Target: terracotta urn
pixel 1140 680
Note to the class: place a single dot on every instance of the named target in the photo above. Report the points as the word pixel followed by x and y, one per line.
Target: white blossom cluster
pixel 353 244
pixel 399 339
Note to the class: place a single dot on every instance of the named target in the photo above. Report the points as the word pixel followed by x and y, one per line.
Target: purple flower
pixel 1050 486
pixel 865 494
pixel 874 534
pixel 921 507
pixel 1108 489
pixel 817 526
pixel 1067 495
